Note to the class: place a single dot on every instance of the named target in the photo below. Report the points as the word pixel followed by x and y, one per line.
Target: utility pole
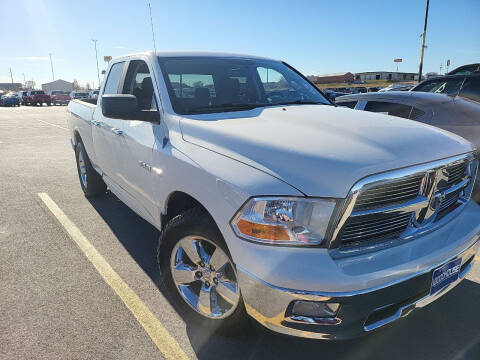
pixel 96 57
pixel 51 65
pixel 423 42
pixel 11 76
pixel 24 81
pixel 151 23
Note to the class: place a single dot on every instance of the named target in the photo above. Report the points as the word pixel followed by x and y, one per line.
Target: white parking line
pixel 46 122
pixel 157 332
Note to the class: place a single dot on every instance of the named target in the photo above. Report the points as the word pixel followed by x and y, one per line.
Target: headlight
pixel 284 221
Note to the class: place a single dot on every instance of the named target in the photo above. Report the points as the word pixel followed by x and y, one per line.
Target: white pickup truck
pixel 315 220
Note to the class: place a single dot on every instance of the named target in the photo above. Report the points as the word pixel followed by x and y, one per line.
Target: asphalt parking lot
pixel 56 304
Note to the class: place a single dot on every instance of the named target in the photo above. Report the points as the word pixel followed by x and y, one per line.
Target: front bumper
pixel 360 311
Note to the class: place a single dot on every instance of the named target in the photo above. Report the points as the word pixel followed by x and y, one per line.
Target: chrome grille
pixel 390 193
pixel 456 173
pixel 404 202
pixel 449 200
pixel 372 227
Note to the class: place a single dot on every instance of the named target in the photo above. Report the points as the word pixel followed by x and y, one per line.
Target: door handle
pixel 96 123
pixel 117 131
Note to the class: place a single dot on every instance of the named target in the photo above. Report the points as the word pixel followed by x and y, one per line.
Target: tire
pixel 49 104
pixel 91 182
pixel 196 223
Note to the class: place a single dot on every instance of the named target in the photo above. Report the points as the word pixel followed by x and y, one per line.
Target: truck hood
pixel 320 150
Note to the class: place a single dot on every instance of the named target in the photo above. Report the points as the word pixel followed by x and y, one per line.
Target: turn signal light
pixel 262 231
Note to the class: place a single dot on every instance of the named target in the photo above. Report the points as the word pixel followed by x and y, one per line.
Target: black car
pixel 466 86
pixel 466 69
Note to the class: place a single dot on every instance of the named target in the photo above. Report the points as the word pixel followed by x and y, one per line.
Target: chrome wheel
pixel 82 166
pixel 205 277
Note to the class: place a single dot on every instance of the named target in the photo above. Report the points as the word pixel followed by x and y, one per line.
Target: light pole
pixel 51 65
pixel 423 42
pixel 11 76
pixel 96 57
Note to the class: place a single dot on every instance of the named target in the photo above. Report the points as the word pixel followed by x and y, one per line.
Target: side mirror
pixel 125 106
pixel 119 106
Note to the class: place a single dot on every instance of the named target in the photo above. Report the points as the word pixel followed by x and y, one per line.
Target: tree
pixel 75 85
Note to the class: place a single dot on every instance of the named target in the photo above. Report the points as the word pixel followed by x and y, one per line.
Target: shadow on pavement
pixel 449 328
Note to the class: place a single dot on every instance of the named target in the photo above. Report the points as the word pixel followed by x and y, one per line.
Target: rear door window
pixel 416 113
pixel 113 80
pixel 389 108
pixel 471 90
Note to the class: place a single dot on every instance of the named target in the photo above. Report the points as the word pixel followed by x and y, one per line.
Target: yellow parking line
pixel 157 332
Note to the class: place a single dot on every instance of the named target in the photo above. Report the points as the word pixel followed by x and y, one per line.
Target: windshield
pixel 199 85
pixel 448 86
pixel 38 93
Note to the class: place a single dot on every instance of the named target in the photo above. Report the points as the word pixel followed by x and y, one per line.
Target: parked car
pixel 333 94
pixel 451 85
pixel 59 97
pixel 10 99
pixel 22 96
pixel 78 95
pixel 37 97
pixel 93 94
pixel 466 69
pixel 459 114
pixel 316 220
pixel 358 90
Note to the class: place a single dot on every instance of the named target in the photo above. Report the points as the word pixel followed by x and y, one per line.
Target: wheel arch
pixel 178 202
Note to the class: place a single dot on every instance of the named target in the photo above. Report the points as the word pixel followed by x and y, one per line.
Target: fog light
pixel 314 309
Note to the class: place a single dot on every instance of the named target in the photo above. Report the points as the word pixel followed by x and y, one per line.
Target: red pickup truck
pixel 35 97
pixel 59 97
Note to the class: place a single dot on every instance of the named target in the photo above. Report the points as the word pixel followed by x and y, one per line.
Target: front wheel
pixel 198 273
pixel 91 182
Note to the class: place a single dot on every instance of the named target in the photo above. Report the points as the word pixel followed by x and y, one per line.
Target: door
pixel 136 173
pixel 106 132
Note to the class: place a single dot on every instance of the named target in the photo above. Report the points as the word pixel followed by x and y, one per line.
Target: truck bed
pixel 83 108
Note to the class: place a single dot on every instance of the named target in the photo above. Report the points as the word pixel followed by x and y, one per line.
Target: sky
pixel 314 36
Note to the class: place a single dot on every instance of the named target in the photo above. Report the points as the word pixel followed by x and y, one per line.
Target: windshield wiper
pixel 300 102
pixel 225 106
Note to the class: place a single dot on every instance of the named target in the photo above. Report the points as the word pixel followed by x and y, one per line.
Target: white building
pixel 386 75
pixel 59 85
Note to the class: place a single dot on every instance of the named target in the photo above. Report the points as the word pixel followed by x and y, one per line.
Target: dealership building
pixel 386 75
pixel 332 78
pixel 57 85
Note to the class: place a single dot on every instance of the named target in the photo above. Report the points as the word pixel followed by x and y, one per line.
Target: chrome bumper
pixel 271 305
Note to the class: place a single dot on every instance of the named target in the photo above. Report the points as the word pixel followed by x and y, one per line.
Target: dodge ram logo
pixel 427 214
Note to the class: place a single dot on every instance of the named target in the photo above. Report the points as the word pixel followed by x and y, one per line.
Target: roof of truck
pixel 166 54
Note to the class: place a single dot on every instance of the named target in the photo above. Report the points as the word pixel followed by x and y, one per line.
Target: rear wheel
pixel 198 273
pixel 90 180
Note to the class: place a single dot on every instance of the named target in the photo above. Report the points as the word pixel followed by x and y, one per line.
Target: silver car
pixel 458 114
